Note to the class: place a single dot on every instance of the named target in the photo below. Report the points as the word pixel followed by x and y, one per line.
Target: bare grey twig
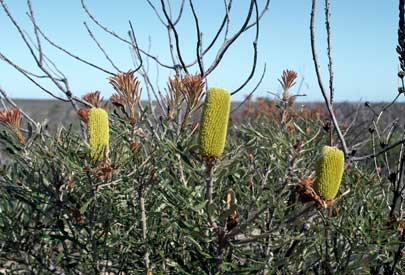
pixel 134 46
pixel 176 35
pixel 320 83
pixel 27 75
pixel 248 97
pixel 329 48
pixel 114 34
pixel 101 47
pixel 12 103
pixel 374 155
pixel 31 15
pixel 228 42
pixel 73 55
pixel 253 70
pixel 199 42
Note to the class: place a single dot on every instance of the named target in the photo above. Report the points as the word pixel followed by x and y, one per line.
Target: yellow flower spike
pixel 214 122
pixel 98 132
pixel 329 172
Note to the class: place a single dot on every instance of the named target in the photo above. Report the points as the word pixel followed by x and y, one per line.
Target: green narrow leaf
pixel 85 206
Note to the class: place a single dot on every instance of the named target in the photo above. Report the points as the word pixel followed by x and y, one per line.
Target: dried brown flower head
pixel 126 85
pixel 174 96
pixel 83 114
pixel 176 87
pixel 117 100
pixel 210 161
pixel 287 81
pixel 308 194
pixel 193 87
pixel 103 171
pixel 128 92
pixel 188 88
pixel 95 99
pixel 12 119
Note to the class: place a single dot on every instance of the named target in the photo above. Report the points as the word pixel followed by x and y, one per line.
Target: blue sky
pixel 363 37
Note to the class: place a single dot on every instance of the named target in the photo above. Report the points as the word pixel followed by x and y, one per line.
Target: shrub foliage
pixel 143 209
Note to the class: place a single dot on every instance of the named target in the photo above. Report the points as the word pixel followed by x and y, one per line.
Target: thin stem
pixel 228 42
pixel 253 70
pixel 376 154
pixel 144 225
pixel 330 62
pixel 249 96
pixel 176 36
pixel 199 43
pixel 101 47
pixel 321 86
pixel 210 182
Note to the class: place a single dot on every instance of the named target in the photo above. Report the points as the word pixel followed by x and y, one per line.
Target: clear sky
pixel 364 35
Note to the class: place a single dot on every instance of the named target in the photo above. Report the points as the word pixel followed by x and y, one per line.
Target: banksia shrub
pixel 329 172
pixel 214 122
pixel 98 132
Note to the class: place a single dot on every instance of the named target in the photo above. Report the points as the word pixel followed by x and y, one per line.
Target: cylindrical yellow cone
pixel 98 132
pixel 214 122
pixel 329 172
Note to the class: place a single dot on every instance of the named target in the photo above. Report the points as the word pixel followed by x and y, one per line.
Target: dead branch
pixel 320 83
